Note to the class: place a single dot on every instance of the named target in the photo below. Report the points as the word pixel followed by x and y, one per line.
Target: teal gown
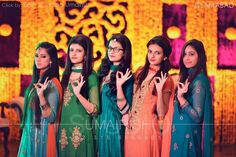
pixel 111 129
pixel 34 140
pixel 192 125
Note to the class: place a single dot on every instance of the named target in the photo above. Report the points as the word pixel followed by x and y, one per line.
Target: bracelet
pixel 94 110
pixel 44 107
pixel 161 117
pixel 124 109
pixel 120 99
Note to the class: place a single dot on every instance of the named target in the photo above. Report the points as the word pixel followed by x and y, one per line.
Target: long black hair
pixel 87 45
pixel 165 64
pixel 201 63
pixel 124 64
pixel 51 72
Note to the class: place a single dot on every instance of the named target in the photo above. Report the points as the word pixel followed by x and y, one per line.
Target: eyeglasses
pixel 114 49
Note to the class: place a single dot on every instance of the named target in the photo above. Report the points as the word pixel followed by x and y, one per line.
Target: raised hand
pixel 122 78
pixel 77 85
pixel 182 88
pixel 160 81
pixel 41 87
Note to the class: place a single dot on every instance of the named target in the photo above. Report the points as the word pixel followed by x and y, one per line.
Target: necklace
pixel 76 69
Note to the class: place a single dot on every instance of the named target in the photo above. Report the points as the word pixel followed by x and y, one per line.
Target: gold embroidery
pixel 67 96
pixel 77 137
pixel 138 98
pixel 63 139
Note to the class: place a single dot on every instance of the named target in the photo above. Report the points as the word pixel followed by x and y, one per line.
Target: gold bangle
pixel 94 109
pixel 120 99
pixel 44 107
pixel 161 117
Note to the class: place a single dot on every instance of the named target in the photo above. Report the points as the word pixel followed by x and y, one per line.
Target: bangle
pixel 120 99
pixel 94 109
pixel 161 117
pixel 124 109
pixel 44 107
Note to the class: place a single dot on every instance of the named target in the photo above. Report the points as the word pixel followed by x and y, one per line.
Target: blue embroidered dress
pixel 192 125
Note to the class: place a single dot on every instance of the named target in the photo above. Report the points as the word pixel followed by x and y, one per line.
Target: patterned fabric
pixel 143 137
pixel 34 141
pixel 75 137
pixel 192 125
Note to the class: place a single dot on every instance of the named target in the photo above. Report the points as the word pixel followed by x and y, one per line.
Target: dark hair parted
pixel 124 64
pixel 201 64
pixel 165 64
pixel 51 72
pixel 87 45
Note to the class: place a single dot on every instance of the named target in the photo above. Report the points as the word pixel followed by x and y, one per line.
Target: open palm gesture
pixel 122 78
pixel 41 87
pixel 160 81
pixel 77 85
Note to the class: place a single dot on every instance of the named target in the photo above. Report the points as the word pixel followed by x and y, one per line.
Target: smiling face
pixel 155 54
pixel 42 59
pixel 115 52
pixel 190 58
pixel 76 53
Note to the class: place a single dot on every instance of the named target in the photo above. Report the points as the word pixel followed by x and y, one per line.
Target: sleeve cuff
pixel 125 109
pixel 185 105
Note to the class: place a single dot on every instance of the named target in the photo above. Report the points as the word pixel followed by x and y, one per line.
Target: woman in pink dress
pixel 152 90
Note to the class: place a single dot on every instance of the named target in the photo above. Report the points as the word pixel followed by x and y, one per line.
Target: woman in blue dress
pixel 116 95
pixel 42 98
pixel 192 124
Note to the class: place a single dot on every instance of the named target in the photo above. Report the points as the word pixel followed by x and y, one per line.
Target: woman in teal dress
pixel 80 100
pixel 192 124
pixel 116 84
pixel 42 98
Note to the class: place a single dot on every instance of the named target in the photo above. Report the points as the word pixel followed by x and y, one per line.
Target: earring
pixel 165 58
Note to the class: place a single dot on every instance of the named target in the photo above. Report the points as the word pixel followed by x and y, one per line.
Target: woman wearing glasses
pixel 116 94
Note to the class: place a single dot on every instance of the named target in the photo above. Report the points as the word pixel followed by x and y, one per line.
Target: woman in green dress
pixel 42 98
pixel 116 95
pixel 80 100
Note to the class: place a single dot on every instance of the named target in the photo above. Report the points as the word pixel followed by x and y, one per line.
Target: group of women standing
pixel 114 112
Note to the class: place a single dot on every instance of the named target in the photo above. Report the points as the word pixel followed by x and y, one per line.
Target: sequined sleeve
pixel 128 92
pixel 198 94
pixel 94 91
pixel 52 96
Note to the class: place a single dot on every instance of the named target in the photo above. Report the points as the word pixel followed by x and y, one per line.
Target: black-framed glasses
pixel 114 49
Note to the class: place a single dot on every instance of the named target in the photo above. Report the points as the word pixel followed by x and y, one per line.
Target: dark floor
pixel 220 150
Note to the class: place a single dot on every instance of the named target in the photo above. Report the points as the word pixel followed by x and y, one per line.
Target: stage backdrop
pixel 23 24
